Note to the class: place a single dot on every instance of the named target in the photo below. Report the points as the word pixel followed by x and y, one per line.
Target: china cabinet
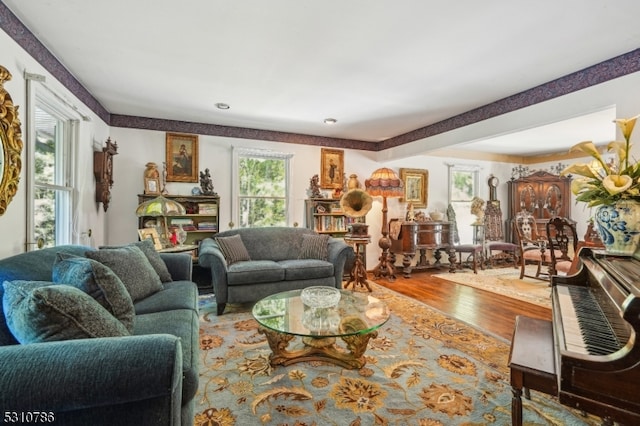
pixel 543 195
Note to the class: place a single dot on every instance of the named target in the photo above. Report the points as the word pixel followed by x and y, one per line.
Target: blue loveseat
pixel 149 377
pixel 275 263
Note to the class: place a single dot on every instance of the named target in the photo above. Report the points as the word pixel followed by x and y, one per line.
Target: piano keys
pixel 596 348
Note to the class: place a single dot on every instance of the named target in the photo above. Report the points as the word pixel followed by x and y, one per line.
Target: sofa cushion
pixel 153 257
pixel 98 281
pixel 315 247
pixel 183 323
pixel 233 249
pixel 40 311
pixel 175 295
pixel 306 269
pixel 132 267
pixel 254 271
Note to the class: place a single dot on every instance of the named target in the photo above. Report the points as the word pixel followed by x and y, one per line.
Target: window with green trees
pixel 263 194
pixel 52 192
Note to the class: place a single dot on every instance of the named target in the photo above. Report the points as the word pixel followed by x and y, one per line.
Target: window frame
pixel 42 97
pixel 243 152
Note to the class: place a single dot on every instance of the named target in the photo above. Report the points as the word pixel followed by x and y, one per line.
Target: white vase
pixel 619 227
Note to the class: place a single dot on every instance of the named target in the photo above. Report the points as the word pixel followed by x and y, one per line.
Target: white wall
pixel 137 147
pixel 88 214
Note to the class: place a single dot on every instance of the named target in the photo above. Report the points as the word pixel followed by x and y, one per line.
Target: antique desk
pixel 409 237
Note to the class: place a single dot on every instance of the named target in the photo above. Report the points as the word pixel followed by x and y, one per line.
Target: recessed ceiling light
pixel 330 121
pixel 221 105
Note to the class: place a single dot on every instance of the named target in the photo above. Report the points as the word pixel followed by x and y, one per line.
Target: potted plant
pixel 614 188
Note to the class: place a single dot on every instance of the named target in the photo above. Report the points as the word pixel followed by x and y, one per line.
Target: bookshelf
pixel 200 221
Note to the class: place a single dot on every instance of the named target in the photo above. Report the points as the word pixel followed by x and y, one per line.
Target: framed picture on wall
pixel 416 184
pixel 332 168
pixel 182 157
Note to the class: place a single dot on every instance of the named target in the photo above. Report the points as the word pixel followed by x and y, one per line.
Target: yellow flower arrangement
pixel 605 183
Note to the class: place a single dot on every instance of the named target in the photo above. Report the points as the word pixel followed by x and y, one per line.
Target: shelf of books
pixel 325 216
pixel 200 221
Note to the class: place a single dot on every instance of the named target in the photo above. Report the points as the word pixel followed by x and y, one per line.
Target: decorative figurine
pixel 205 183
pixel 314 187
pixel 477 209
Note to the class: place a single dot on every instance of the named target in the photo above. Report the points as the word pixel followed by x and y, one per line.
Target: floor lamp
pixel 384 183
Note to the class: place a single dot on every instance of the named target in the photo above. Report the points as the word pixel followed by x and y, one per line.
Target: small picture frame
pixel 152 186
pixel 332 168
pixel 182 157
pixel 152 234
pixel 416 182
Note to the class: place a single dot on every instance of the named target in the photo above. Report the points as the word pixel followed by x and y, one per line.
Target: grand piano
pixel 589 354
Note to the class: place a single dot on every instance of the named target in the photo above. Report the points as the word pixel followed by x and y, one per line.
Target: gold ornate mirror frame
pixel 10 136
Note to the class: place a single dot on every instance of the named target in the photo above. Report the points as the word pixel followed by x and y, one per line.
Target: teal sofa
pixel 275 264
pixel 147 378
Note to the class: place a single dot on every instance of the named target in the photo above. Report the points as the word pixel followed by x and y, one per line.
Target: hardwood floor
pixel 488 311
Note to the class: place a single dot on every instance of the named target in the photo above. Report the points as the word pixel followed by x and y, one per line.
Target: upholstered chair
pixel 473 252
pixel 534 248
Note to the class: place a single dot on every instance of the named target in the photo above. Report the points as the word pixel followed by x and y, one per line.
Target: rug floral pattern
pixel 424 368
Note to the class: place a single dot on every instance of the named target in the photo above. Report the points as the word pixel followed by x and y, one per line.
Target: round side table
pixel 358 274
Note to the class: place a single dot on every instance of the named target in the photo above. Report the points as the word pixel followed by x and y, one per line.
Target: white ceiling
pixel 381 68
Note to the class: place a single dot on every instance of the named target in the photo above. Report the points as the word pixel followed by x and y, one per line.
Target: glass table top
pixel 356 313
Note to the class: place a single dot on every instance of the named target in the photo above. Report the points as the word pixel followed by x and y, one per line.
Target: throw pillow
pixel 153 257
pixel 38 311
pixel 98 281
pixel 132 267
pixel 233 248
pixel 315 247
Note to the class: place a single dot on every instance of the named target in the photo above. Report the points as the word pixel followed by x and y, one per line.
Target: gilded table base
pixel 318 349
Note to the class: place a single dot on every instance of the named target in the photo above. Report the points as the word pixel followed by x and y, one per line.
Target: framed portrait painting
pixel 332 168
pixel 182 157
pixel 416 182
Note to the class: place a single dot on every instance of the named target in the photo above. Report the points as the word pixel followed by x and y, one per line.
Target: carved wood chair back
pixel 563 243
pixel 533 247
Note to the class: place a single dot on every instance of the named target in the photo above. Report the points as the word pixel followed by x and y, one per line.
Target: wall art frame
pixel 416 187
pixel 331 168
pixel 10 145
pixel 182 157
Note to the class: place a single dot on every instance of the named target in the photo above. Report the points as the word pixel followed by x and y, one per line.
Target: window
pixel 51 177
pixel 261 188
pixel 463 186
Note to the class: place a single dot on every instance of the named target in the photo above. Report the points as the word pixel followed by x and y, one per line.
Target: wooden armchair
pixel 563 244
pixel 533 247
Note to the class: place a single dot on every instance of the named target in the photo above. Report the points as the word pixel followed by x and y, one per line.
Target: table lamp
pixel 384 183
pixel 161 207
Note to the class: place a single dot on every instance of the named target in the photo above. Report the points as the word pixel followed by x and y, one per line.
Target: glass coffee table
pixel 355 320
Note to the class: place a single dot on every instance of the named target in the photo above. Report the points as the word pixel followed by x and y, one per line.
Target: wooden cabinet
pixel 543 195
pixel 200 221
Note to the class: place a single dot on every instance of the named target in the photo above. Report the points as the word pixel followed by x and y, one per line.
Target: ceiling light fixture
pixel 330 121
pixel 221 105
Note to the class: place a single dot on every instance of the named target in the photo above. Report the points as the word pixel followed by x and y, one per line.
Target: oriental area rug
pixel 505 281
pixel 424 368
